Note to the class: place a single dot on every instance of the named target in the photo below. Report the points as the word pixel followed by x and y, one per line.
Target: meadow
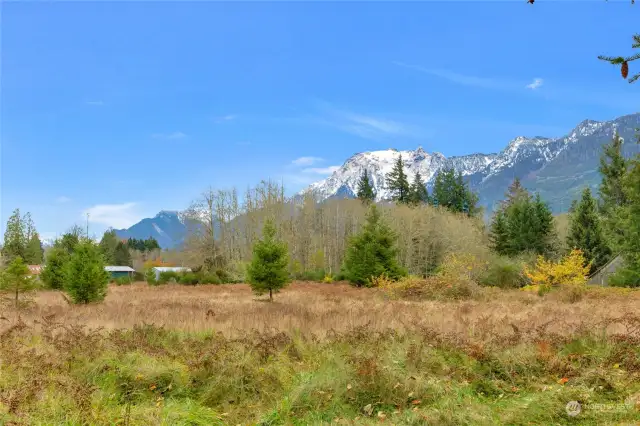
pixel 319 354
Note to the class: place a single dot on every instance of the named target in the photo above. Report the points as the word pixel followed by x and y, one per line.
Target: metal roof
pixel 119 269
pixel 170 268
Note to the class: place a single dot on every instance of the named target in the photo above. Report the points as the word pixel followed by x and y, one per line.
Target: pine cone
pixel 625 69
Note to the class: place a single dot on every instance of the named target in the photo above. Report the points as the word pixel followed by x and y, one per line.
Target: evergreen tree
pixel 418 193
pixel 365 193
pixel 53 273
pixel 522 224
pixel 585 232
pixel 16 279
pixel 452 192
pixel 613 168
pixel 624 61
pixel 151 244
pixel 268 270
pixel 629 224
pixel 544 228
pixel 85 278
pixel 398 183
pixel 372 252
pixel 69 240
pixel 108 245
pixel 515 192
pixel 121 255
pixel 34 253
pixel 499 236
pixel 15 242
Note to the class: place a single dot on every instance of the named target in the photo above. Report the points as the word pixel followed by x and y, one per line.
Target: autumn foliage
pixel 572 270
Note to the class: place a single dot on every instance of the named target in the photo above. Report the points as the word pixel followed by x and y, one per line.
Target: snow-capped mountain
pixel 556 167
pixel 344 181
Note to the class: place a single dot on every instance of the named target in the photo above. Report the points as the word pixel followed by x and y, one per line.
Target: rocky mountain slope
pixel 166 227
pixel 558 168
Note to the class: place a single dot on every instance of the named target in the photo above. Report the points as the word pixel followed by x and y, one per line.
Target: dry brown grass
pixel 311 308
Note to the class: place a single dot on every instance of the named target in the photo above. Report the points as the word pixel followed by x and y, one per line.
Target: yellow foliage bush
pixel 572 271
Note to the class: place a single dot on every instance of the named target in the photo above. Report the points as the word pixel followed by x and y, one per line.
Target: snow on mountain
pixel 522 156
pixel 344 181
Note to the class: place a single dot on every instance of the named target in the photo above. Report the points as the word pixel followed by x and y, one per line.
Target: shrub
pixel 16 281
pixel 328 279
pixel 572 270
pixel 150 277
pixel 85 278
pixel 122 280
pixel 224 276
pixel 188 278
pixel 208 278
pixel 315 275
pixel 504 272
pixel 168 276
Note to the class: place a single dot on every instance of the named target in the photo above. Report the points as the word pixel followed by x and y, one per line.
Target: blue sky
pixel 127 108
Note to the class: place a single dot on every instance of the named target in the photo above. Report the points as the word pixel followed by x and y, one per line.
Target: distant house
pixel 120 271
pixel 35 270
pixel 160 269
pixel 601 277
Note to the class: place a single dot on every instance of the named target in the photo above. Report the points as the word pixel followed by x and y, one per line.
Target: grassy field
pixel 319 354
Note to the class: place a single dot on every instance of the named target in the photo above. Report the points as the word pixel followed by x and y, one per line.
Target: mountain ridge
pixel 558 168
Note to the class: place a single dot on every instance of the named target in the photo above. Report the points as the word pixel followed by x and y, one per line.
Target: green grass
pixel 149 375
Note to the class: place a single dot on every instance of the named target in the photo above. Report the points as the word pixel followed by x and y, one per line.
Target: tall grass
pixel 320 354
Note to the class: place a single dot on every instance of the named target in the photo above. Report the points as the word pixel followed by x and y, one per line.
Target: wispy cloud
pixel 367 126
pixel 114 215
pixel 62 199
pixel 537 82
pixel 465 80
pixel 321 170
pixel 306 161
pixel 603 96
pixel 95 103
pixel 224 118
pixel 173 136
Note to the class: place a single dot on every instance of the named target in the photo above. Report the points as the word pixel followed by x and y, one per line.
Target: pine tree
pixel 34 253
pixel 15 242
pixel 268 270
pixel 108 245
pixel 585 232
pixel 544 228
pixel 499 236
pixel 365 193
pixel 629 224
pixel 398 183
pixel 372 252
pixel 418 193
pixel 121 255
pixel 53 273
pixel 452 192
pixel 16 280
pixel 85 278
pixel 613 168
pixel 515 192
pixel 523 224
pixel 624 61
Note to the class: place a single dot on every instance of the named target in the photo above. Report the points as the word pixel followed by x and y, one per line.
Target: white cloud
pixel 306 161
pixel 174 135
pixel 95 103
pixel 537 82
pixel 62 199
pixel 321 170
pixel 114 215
